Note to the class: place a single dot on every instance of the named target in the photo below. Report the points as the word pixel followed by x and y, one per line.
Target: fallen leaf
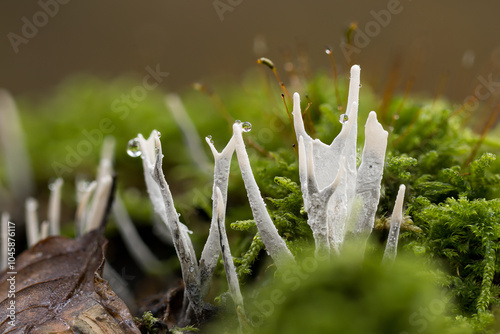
pixel 59 289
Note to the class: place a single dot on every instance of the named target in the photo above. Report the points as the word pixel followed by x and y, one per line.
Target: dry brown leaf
pixel 59 289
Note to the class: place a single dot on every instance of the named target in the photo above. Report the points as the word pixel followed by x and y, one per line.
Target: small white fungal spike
pixel 54 212
pixel 370 176
pixel 32 224
pixel 391 247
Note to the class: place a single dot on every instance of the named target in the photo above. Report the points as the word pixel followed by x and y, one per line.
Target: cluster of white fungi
pixel 339 197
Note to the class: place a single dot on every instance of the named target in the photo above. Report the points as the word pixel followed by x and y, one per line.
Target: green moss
pixel 463 235
pixel 177 330
pixel 351 295
pixel 148 322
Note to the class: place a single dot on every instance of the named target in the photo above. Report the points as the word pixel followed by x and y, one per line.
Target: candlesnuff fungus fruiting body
pixel 338 197
pixel 396 219
pixel 275 245
pixel 163 203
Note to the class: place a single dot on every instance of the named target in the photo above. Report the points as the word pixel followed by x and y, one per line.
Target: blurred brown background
pixel 189 39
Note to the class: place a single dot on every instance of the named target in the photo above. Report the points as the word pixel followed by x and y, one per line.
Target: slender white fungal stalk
pixel 54 211
pixel 136 247
pixel 340 205
pixel 391 248
pixel 189 132
pixel 82 210
pixel 163 204
pixel 232 278
pixel 179 232
pixel 13 149
pixel 107 156
pixel 32 228
pixel 370 176
pixel 44 230
pixel 80 188
pixel 275 245
pixel 148 155
pixel 211 250
pixel 99 203
pixel 102 192
pixel 4 240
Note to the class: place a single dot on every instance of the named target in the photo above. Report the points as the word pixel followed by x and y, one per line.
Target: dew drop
pixel 211 140
pixel 343 118
pixel 340 108
pixel 328 51
pixel 247 126
pixel 396 117
pixel 133 148
pixel 158 133
pixel 360 85
pixel 237 121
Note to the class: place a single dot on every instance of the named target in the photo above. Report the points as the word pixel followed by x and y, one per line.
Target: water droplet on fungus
pixel 133 148
pixel 247 126
pixel 343 118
